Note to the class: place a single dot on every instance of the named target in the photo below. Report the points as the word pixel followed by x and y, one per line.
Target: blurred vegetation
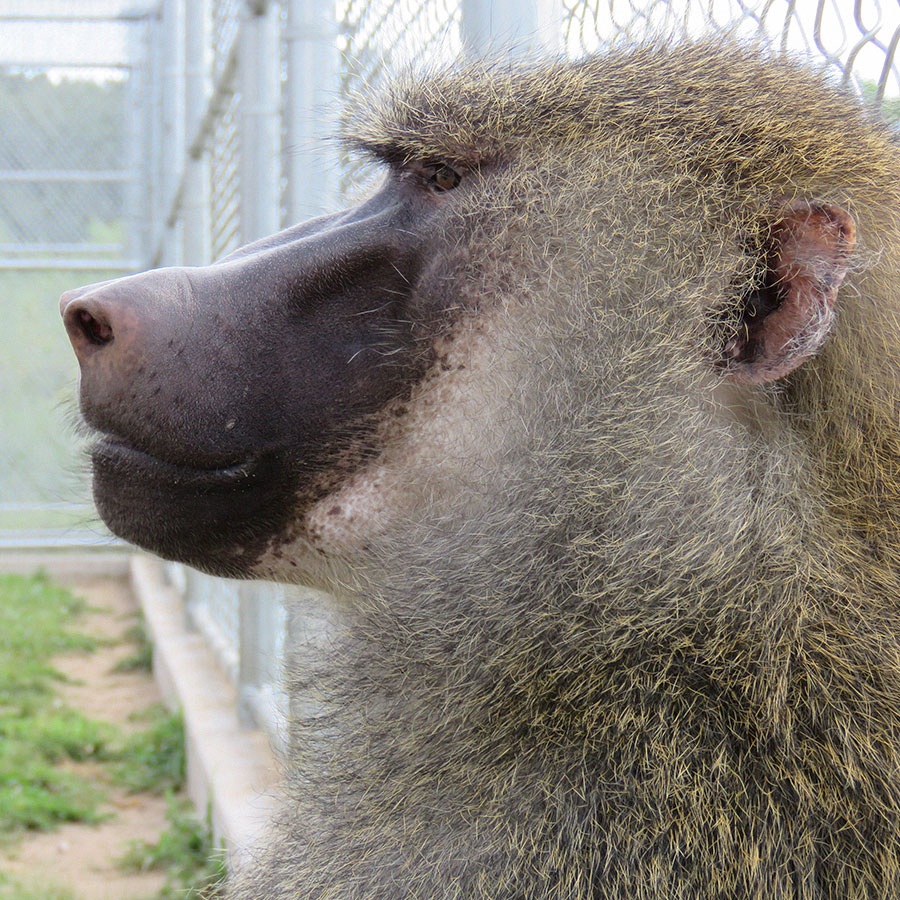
pixel 141 660
pixel 890 106
pixel 51 125
pixel 185 852
pixel 60 125
pixel 44 743
pixel 14 889
pixel 37 731
pixel 155 759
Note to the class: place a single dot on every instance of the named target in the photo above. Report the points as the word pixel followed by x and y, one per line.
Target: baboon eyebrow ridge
pixel 397 153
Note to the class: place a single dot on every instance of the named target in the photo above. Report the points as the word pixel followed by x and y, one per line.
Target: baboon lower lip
pixel 218 519
pixel 111 452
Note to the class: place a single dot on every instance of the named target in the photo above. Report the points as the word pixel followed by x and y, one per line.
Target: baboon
pixel 589 418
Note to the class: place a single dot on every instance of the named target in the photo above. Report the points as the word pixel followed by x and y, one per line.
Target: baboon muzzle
pixel 218 392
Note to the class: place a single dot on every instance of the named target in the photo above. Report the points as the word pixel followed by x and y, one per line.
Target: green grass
pixel 33 618
pixel 194 868
pixel 58 733
pixel 154 759
pixel 37 731
pixel 13 889
pixel 40 735
pixel 141 660
pixel 44 745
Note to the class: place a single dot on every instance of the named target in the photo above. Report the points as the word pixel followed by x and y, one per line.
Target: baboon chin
pixel 589 415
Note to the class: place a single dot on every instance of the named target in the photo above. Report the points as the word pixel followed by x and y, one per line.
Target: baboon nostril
pixel 94 329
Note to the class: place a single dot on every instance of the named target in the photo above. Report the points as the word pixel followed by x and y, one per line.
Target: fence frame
pixel 278 71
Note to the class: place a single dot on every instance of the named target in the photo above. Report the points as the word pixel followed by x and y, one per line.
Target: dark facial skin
pixel 222 394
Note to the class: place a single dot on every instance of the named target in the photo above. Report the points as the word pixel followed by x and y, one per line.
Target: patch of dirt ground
pixel 82 857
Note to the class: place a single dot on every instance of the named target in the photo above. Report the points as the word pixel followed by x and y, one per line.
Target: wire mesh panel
pixel 225 198
pixel 378 39
pixel 214 608
pixel 224 169
pixel 225 21
pixel 69 213
pixel 858 40
pixel 61 196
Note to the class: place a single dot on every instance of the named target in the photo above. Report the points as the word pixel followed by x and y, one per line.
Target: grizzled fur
pixel 617 609
pixel 650 649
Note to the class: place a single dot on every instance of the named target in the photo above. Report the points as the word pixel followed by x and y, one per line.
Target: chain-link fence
pixel 171 131
pixel 856 38
pixel 71 204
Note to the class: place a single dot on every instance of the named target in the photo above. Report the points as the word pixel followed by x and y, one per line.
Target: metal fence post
pixel 154 135
pixel 259 91
pixel 173 122
pixel 251 667
pixel 260 179
pixel 195 199
pixel 312 165
pixel 136 191
pixel 312 102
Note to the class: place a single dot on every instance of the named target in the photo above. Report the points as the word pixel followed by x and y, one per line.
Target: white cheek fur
pixel 442 436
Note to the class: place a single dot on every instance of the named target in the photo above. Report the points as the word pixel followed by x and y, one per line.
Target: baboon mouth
pixel 218 519
pixel 111 454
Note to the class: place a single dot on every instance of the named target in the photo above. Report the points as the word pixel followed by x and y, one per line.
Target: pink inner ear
pixel 812 243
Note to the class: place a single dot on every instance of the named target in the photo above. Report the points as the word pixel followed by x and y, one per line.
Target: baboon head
pixel 589 418
pixel 582 289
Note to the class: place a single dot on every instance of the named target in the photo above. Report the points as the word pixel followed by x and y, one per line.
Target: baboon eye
pixel 441 177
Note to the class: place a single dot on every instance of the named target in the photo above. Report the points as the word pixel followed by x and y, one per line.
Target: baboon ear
pixel 785 316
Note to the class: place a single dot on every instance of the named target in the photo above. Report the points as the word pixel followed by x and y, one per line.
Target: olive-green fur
pixel 652 652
